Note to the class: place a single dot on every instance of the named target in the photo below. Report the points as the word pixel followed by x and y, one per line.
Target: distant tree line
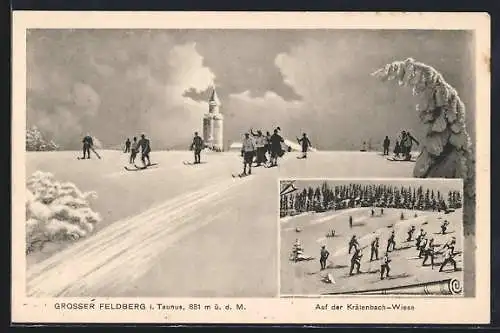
pixel 325 197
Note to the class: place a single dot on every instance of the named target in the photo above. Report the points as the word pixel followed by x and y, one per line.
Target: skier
pixel 247 152
pixel 386 144
pixel 384 266
pixel 356 261
pixel 374 249
pixel 373 212
pixel 382 211
pixel 449 257
pixel 197 146
pixel 323 256
pixel 422 247
pixel 268 144
pixel 133 151
pixel 444 226
pixel 127 146
pixel 304 141
pixel 407 143
pixel 391 243
pixel 420 238
pixel 260 147
pixel 397 149
pixel 429 253
pixel 87 144
pixel 145 146
pixel 350 222
pixel 353 243
pixel 450 244
pixel 410 233
pixel 276 141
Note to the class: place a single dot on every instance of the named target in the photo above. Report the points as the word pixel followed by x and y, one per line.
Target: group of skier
pixel 133 147
pixel 403 146
pixel 266 149
pixel 426 249
pixel 256 148
pixel 261 149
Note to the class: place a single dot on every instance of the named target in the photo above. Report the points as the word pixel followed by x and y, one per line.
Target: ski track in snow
pixel 122 251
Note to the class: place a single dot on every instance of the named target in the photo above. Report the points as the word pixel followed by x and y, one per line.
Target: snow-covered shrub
pixel 36 142
pixel 56 211
pixel 97 143
pixel 447 149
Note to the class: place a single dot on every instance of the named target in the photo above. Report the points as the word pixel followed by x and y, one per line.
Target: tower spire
pixel 213 100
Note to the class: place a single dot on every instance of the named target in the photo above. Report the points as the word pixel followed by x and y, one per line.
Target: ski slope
pixel 179 230
pixel 305 278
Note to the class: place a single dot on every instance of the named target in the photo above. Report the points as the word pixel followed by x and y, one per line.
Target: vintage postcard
pixel 221 167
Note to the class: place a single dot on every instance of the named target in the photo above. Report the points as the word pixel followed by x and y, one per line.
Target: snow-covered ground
pixel 180 230
pixel 305 277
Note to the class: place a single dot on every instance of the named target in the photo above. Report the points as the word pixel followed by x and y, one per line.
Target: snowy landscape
pixel 220 232
pixel 106 226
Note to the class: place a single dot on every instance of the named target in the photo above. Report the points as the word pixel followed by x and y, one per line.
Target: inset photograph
pixel 371 237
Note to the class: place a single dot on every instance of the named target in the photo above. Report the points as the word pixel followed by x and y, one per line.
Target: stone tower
pixel 213 123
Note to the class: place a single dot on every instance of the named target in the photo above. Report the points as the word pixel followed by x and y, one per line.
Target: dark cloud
pixel 117 83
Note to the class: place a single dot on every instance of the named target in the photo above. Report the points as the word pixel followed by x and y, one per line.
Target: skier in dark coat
pixel 374 249
pixel 305 143
pixel 387 142
pixel 127 146
pixel 356 261
pixel 145 146
pixel 353 243
pixel 276 149
pixel 323 257
pixel 384 266
pixel 197 146
pixel 87 144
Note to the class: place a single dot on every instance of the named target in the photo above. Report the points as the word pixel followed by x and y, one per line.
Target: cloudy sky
pixel 119 83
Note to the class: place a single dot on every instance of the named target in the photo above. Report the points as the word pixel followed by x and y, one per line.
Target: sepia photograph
pixel 163 156
pixel 154 148
pixel 359 237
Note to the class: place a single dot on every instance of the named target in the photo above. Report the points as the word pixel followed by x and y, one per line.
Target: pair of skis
pixel 93 150
pixel 192 163
pixel 138 168
pixel 392 159
pixel 241 175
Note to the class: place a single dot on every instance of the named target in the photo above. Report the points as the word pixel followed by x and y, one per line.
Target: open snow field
pixel 180 230
pixel 305 277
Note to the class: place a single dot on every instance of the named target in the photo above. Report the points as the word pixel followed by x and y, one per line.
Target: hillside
pixel 305 278
pixel 217 232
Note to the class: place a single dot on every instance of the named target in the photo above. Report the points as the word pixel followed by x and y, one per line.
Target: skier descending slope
pixel 87 144
pixel 304 141
pixel 145 146
pixel 247 151
pixel 133 151
pixel 197 146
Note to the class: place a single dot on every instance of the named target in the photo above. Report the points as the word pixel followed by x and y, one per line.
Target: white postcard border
pixel 269 310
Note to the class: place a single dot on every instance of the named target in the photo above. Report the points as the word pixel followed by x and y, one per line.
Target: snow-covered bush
pixel 36 142
pixel 97 143
pixel 447 149
pixel 56 211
